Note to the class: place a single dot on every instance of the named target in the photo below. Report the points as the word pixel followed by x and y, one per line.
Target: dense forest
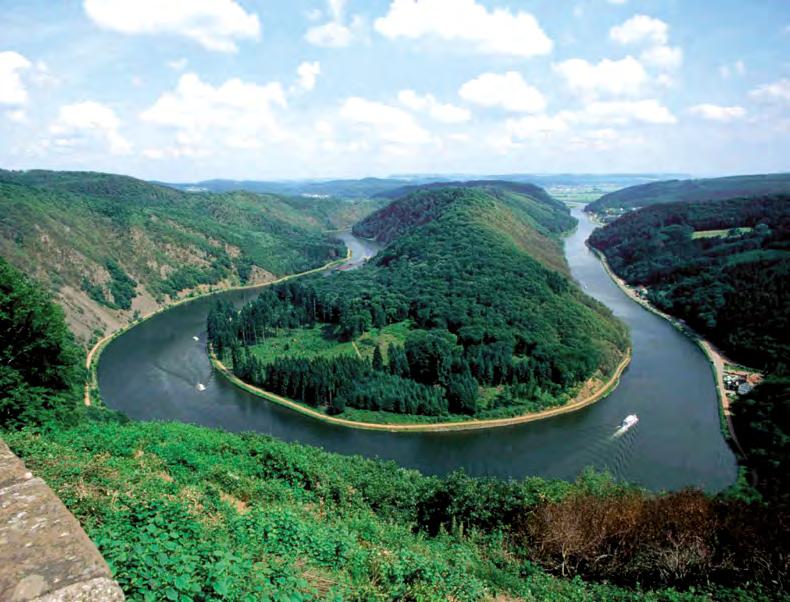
pixel 472 271
pixel 699 190
pixel 762 424
pixel 722 266
pixel 183 512
pixel 41 373
pixel 109 246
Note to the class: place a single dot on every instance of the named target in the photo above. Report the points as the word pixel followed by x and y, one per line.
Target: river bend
pixel 152 373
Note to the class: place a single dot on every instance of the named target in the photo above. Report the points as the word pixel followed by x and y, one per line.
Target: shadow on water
pixel 151 372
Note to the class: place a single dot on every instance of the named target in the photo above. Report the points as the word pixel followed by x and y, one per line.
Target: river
pixel 152 373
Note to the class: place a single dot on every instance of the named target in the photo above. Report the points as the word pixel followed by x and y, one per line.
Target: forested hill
pixel 466 311
pixel 110 246
pixel 706 189
pixel 723 266
pixel 515 205
pixel 535 192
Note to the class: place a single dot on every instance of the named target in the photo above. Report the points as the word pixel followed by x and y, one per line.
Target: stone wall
pixel 44 553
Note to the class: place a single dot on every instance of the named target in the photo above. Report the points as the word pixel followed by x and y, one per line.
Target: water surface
pixel 152 373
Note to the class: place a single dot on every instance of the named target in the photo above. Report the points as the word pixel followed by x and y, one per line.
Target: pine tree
pixel 378 360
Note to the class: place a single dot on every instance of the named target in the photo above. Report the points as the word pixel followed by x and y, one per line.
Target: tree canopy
pixel 40 365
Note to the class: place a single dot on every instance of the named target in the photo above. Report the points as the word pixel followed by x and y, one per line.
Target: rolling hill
pixel 706 189
pixel 110 246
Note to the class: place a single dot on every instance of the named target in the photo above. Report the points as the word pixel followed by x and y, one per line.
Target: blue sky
pixel 259 89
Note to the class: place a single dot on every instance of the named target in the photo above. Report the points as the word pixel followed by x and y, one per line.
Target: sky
pixel 186 90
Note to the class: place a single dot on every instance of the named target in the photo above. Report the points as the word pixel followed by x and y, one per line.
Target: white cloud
pixel 729 70
pixel 617 1
pixel 390 124
pixel 178 64
pixel 640 29
pixel 12 89
pixel 507 90
pixel 717 112
pixel 535 125
pixel 663 57
pixel 214 24
pixel 625 77
pixel 605 139
pixel 235 114
pixel 330 35
pixel 17 116
pixel 443 112
pixel 773 92
pixel 649 111
pixel 308 73
pixel 652 33
pixel 335 33
pixel 498 31
pixel 89 119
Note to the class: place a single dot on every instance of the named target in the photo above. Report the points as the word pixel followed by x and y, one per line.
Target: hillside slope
pixel 110 246
pixel 534 219
pixel 706 189
pixel 467 311
pixel 722 266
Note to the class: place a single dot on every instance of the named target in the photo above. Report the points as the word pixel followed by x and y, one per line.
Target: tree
pixel 378 360
pixel 398 364
pixel 462 394
pixel 41 367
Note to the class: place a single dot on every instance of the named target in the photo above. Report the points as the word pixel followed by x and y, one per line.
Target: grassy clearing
pixel 320 341
pixel 383 337
pixel 302 342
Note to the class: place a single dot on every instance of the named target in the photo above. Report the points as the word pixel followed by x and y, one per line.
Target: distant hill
pixel 370 187
pixel 545 217
pixel 109 246
pixel 362 188
pixel 531 190
pixel 706 189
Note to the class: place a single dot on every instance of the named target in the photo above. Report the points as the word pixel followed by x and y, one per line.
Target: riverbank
pixel 716 359
pixel 585 400
pixel 92 358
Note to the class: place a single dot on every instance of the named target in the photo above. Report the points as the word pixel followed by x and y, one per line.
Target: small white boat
pixel 195 339
pixel 201 387
pixel 629 421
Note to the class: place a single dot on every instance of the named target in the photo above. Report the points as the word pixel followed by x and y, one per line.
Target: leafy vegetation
pixel 41 370
pixel 188 513
pixel 129 245
pixel 733 289
pixel 472 270
pixel 762 423
pixel 706 189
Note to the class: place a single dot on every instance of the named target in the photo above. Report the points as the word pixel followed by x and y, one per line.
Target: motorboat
pixel 201 387
pixel 629 421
